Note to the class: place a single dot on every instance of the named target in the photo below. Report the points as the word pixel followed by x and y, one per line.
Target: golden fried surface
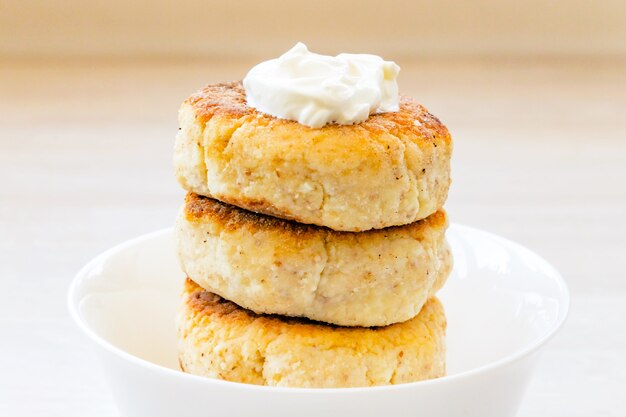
pixel 391 169
pixel 218 339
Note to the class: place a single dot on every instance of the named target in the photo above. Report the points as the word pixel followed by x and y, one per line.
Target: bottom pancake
pixel 219 339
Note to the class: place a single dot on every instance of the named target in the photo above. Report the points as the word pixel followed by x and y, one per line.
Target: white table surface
pixel 85 162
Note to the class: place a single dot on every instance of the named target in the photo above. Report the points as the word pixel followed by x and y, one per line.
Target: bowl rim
pixel 516 356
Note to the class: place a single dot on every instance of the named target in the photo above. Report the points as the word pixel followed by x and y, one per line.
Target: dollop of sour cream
pixel 315 89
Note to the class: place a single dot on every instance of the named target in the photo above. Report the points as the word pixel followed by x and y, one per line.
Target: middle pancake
pixel 276 266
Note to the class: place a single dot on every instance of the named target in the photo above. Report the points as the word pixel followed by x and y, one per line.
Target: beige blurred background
pixel 196 28
pixel 534 93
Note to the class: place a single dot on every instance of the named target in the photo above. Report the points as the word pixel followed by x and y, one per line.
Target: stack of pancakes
pixel 312 255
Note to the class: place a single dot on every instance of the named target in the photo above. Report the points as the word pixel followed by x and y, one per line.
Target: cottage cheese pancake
pixel 391 169
pixel 276 266
pixel 218 339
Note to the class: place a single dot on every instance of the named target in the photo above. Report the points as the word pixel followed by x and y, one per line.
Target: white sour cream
pixel 315 89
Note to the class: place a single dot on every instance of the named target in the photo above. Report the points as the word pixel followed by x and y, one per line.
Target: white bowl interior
pixel 500 300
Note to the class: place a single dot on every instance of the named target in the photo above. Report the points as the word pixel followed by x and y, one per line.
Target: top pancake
pixel 229 100
pixel 391 169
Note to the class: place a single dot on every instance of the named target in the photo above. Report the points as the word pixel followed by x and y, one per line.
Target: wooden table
pixel 85 162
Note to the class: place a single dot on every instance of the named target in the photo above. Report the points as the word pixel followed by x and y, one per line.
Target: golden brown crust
pixel 205 304
pixel 229 100
pixel 262 206
pixel 232 217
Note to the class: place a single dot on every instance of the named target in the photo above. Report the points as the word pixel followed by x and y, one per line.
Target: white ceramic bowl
pixel 503 302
